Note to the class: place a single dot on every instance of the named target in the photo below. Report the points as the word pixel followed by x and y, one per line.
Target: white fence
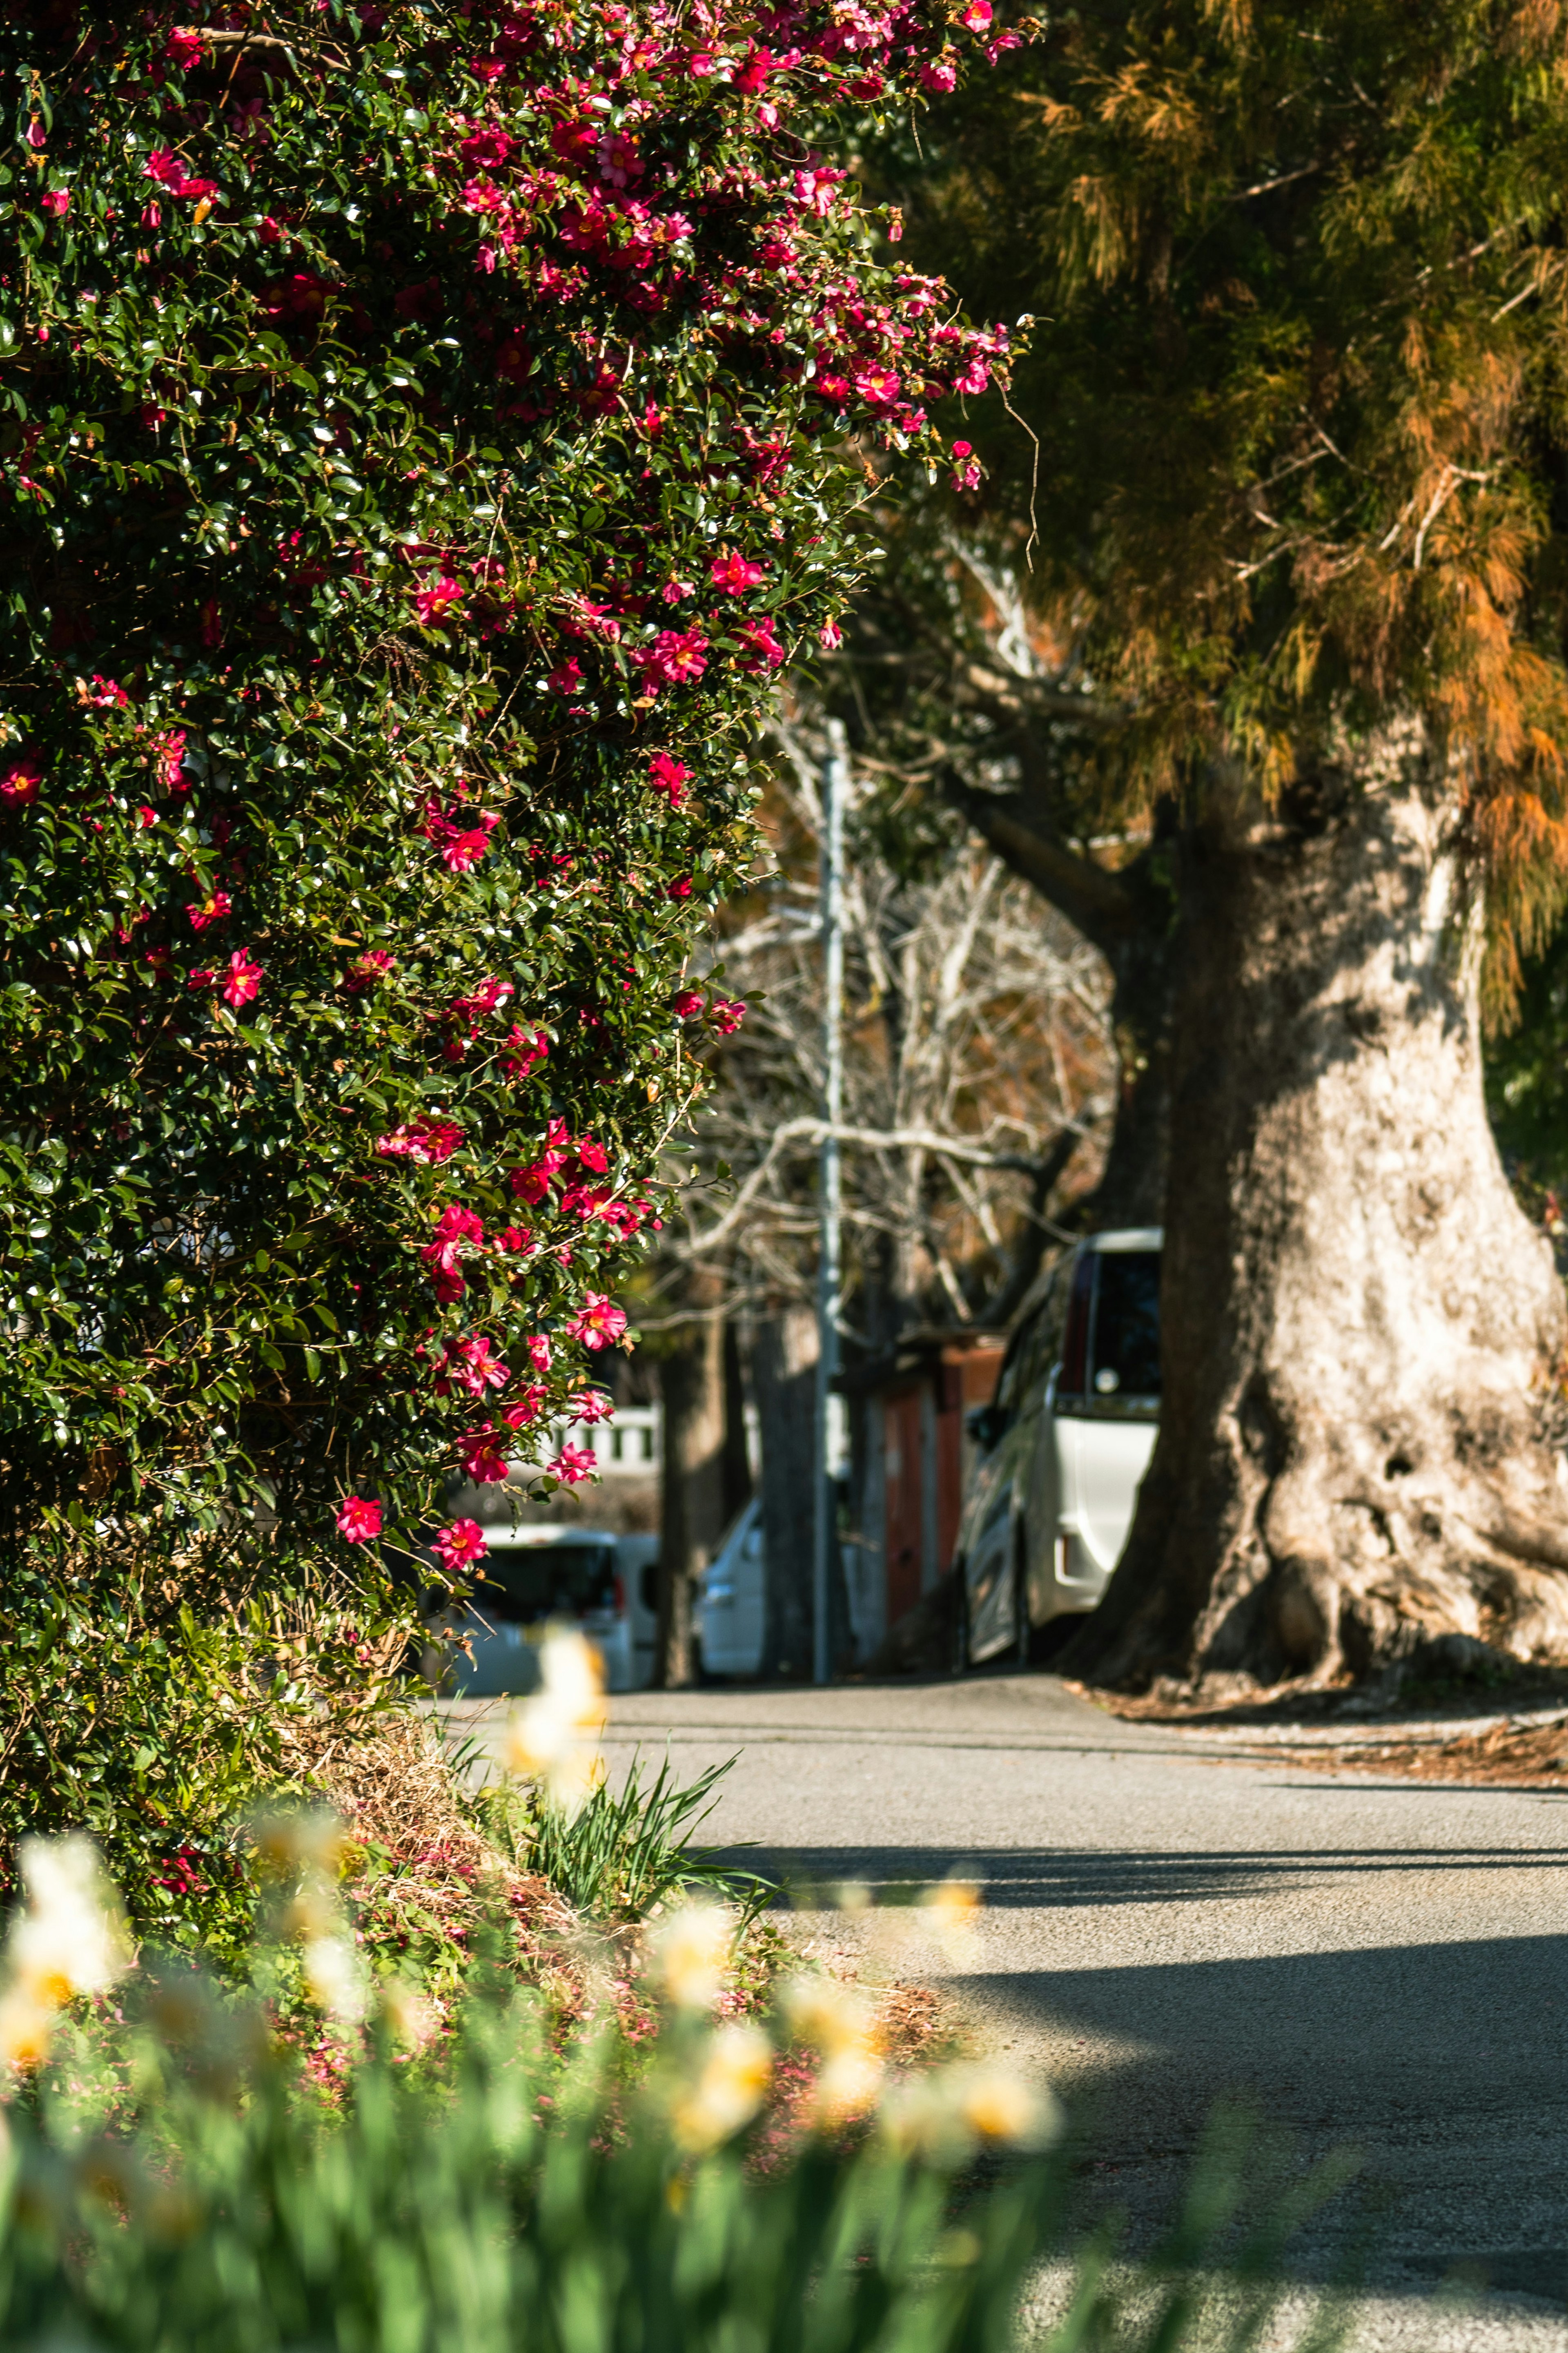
pixel 626 1446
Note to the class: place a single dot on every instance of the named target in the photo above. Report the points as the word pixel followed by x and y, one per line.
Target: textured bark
pixel 783 1369
pixel 1363 1334
pixel 1131 1188
pixel 737 1461
pixel 692 1514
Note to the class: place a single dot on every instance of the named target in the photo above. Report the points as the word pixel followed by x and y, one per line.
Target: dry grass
pixel 427 1877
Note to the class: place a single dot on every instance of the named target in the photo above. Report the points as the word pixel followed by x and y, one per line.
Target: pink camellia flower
pixel 681 890
pixel 537 1349
pixel 668 776
pixel 591 1406
pixel 879 385
pixel 431 604
pixel 185 50
pixel 572 1464
pixel 512 1239
pixel 455 1226
pixel 429 1140
pixel 582 1200
pixel 593 1156
pixel 458 1543
pixel 734 573
pixel 211 910
pixel 466 849
pixel 597 1323
pixel 676 591
pixel 533 1183
pixel 165 166
pixel 169 756
pixel 20 779
pixel 104 693
pixel 242 981
pixel 940 74
pixel 480 1456
pixel 518 1416
pixel 146 819
pixel 368 971
pixel 56 202
pixel 763 649
pixel 523 1048
pixel 675 657
pixel 359 1519
pixel 830 637
pixel 727 1014
pixel 472 1365
pixel 687 1004
pixel 566 678
pixel 977 17
pixel 485 151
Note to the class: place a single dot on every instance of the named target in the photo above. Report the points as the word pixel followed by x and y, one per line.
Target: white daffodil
pixel 839 2024
pixel 952 1911
pixel 727 2090
pixel 691 1951
pixel 69 1940
pixel 412 2017
pixel 554 1737
pixel 333 1978
pixel 952 2110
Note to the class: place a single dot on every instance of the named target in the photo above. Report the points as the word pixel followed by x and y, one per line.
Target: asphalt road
pixel 1368 1965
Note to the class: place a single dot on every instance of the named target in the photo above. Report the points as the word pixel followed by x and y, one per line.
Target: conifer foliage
pixel 427 430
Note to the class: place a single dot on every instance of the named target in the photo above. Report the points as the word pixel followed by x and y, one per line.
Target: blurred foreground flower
pixel 334 1979
pixel 951 1910
pixel 727 2089
pixel 316 1845
pixel 69 1940
pixel 554 1737
pixel 839 2024
pixel 950 2113
pixel 691 1952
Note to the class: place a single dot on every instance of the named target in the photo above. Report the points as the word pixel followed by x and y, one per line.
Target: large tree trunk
pixel 783 1369
pixel 1131 1188
pixel 692 1510
pixel 1363 1335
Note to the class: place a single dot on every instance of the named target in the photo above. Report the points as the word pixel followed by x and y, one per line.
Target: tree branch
pixel 1096 901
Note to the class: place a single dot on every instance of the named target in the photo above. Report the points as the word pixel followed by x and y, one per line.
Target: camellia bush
pixel 427 430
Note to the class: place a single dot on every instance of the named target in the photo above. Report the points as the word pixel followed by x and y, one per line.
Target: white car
pixel 731 1608
pixel 487 1644
pixel 1064 1444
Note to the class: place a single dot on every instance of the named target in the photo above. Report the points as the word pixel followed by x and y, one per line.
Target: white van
pixel 731 1608
pixel 1064 1444
pixel 487 1645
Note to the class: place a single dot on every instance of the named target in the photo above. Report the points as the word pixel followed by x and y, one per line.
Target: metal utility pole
pixel 835 785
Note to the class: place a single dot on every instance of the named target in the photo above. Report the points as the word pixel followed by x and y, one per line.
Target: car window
pixel 1033 1347
pixel 1075 1340
pixel 525 1582
pixel 1126 1325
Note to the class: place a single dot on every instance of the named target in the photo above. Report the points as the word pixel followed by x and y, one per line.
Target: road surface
pixel 1371 1964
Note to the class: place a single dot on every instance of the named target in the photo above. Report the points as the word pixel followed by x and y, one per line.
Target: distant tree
pixel 1291 513
pixel 976 1088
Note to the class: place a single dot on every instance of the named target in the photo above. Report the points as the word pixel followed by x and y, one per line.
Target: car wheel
pixel 960 1620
